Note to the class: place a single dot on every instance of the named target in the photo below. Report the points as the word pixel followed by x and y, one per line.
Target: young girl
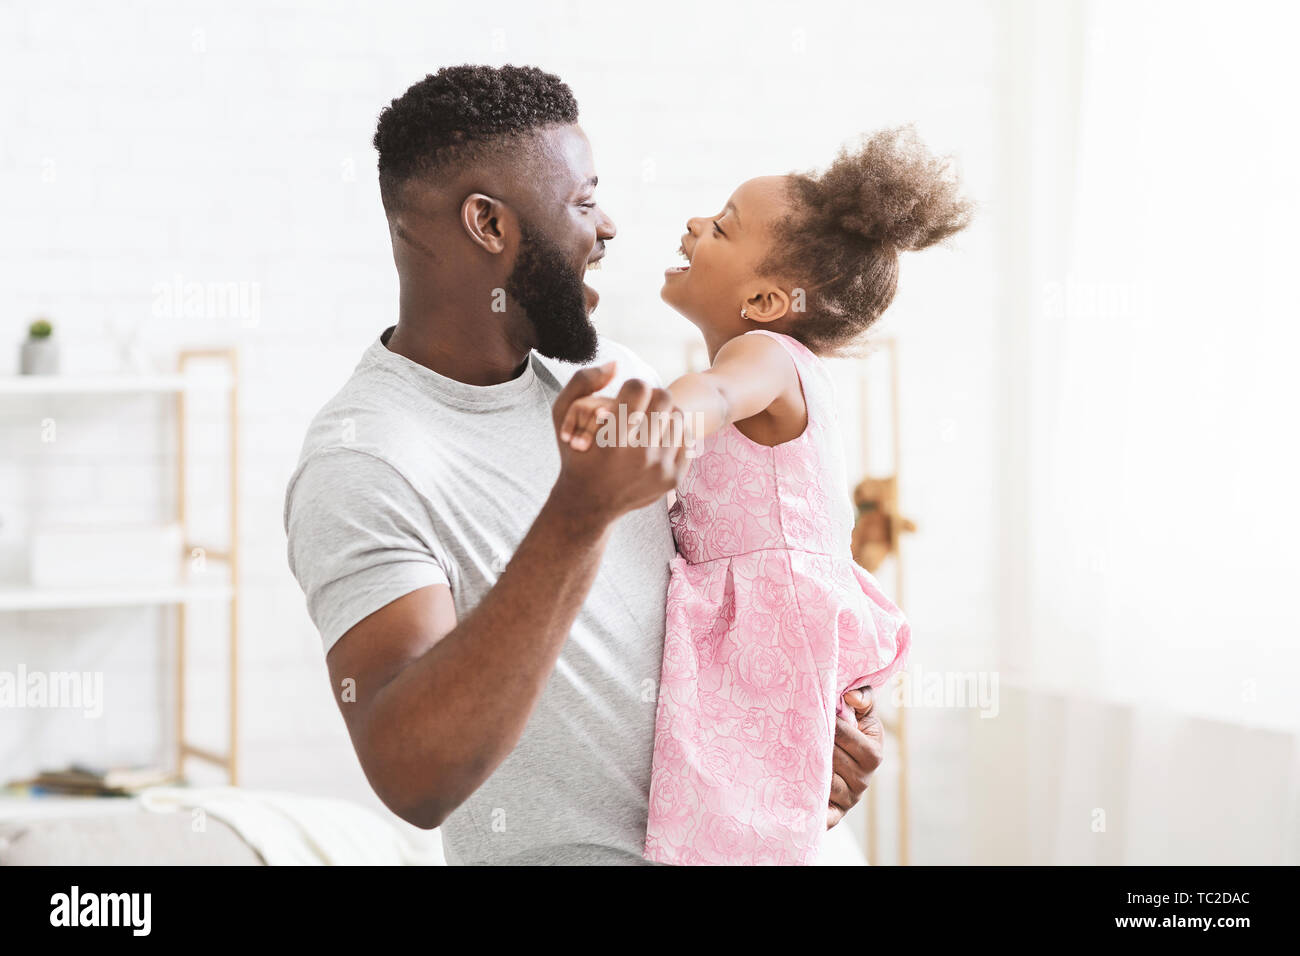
pixel 770 621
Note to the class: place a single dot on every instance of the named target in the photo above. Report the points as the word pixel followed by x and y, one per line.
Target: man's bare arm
pixel 439 703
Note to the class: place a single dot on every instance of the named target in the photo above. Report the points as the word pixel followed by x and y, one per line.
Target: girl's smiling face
pixel 724 254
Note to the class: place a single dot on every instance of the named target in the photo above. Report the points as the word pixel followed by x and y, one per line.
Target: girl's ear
pixel 768 305
pixel 486 221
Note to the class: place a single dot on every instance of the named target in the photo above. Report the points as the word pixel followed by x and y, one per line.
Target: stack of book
pixel 98 782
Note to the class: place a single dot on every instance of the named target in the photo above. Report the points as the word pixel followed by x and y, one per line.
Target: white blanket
pixel 289 829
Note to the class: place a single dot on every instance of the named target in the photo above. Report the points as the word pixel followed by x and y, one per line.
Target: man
pixel 492 605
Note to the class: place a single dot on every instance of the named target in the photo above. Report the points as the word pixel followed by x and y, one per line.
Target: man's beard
pixel 554 302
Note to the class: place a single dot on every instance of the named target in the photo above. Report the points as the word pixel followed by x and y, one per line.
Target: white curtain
pixel 1160 538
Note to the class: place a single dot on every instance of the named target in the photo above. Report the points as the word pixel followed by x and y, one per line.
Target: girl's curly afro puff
pixel 841 243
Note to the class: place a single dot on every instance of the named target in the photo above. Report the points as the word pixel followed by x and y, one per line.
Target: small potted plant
pixel 40 355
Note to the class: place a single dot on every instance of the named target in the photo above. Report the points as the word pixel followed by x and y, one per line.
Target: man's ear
pixel 768 305
pixel 486 221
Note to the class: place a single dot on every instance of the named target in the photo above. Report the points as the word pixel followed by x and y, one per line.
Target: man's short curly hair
pixel 842 241
pixel 448 117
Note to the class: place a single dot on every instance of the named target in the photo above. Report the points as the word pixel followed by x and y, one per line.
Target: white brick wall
pixel 230 143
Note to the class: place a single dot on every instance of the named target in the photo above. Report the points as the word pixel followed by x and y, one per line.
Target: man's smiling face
pixel 563 233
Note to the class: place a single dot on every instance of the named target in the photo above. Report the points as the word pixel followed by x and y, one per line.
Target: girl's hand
pixel 583 420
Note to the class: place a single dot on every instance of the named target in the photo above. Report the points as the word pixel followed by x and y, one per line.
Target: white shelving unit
pixel 57 599
pixel 179 596
pixel 110 384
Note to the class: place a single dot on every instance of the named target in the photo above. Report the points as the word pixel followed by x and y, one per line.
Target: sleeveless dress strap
pixel 797 349
pixel 805 361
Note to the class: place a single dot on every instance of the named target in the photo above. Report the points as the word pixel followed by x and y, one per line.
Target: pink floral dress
pixel 770 622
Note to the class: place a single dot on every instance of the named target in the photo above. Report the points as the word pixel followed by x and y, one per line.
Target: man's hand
pixel 599 484
pixel 859 748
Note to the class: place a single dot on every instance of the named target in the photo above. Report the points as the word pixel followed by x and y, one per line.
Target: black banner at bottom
pixel 923 905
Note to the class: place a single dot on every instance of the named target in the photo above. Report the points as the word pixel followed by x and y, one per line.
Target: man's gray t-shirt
pixel 408 479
